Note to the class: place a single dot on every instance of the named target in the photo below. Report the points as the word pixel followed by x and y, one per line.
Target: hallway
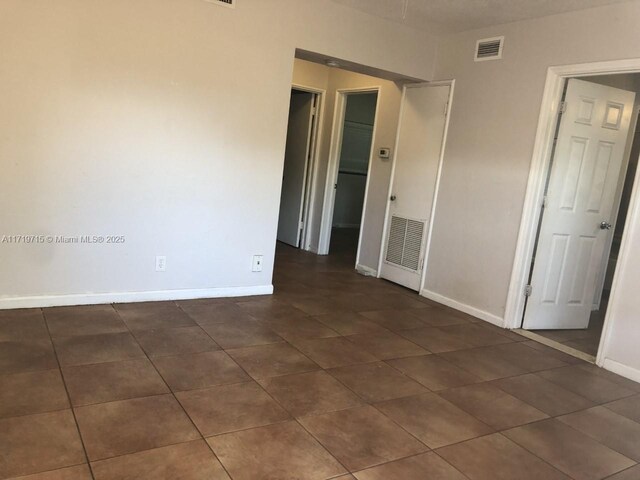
pixel 335 376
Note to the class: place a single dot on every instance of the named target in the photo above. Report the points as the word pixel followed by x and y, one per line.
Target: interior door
pixel 296 158
pixel 417 158
pixel 579 205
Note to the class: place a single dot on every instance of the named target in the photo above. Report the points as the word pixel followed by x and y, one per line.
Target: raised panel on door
pixel 416 162
pixel 584 177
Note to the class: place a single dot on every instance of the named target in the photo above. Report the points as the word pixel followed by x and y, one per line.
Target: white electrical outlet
pixel 257 263
pixel 161 264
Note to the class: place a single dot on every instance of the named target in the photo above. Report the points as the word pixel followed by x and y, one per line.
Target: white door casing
pixel 580 196
pixel 295 168
pixel 417 156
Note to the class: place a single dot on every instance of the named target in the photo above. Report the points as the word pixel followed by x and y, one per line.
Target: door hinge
pixel 301 225
pixel 563 107
pixel 528 290
pixel 544 202
pixel 446 108
pixel 421 263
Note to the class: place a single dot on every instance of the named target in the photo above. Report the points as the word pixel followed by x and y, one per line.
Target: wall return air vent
pixel 224 3
pixel 405 242
pixel 489 49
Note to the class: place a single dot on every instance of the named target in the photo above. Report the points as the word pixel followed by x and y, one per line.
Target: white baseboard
pixel 621 369
pixel 42 301
pixel 468 309
pixel 366 271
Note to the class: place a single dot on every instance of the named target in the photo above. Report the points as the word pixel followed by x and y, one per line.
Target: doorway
pixel 587 187
pixel 300 155
pixel 414 182
pixel 356 135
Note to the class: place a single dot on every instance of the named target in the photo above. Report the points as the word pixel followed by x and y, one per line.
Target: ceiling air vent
pixel 489 49
pixel 224 3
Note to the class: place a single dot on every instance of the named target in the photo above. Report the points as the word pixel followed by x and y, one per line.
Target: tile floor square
pixel 375 382
pixel 199 370
pixel 37 443
pixel 185 461
pixel 362 437
pixel 227 408
pixel 568 450
pixel 107 382
pixel 88 349
pixel 310 393
pixel 175 341
pixel 32 392
pixel 279 451
pixel 495 457
pixel 129 426
pixel 272 360
pixel 434 420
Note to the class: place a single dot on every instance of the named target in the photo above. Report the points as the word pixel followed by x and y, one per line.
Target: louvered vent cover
pixel 489 49
pixel 405 242
pixel 224 3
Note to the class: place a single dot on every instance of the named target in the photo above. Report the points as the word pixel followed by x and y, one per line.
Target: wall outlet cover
pixel 257 263
pixel 161 263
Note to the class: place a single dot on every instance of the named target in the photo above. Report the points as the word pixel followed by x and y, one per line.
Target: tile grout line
pixel 64 383
pixel 172 393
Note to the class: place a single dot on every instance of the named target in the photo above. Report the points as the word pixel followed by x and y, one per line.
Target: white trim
pixel 372 156
pixel 463 307
pixel 621 270
pixel 429 227
pixel 622 370
pixel 552 96
pixel 604 266
pixel 41 301
pixel 334 160
pixel 436 191
pixel 514 308
pixel 385 224
pixel 536 337
pixel 366 271
pixel 312 169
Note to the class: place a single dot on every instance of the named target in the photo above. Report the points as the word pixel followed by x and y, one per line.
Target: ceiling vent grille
pixel 489 49
pixel 224 3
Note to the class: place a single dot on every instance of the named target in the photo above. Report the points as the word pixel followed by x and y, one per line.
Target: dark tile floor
pixel 334 376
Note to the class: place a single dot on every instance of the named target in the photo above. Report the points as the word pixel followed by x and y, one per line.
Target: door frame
pixel 312 165
pixel 542 150
pixel 333 165
pixel 432 213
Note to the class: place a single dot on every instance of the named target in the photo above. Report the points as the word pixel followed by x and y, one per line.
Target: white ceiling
pixel 461 15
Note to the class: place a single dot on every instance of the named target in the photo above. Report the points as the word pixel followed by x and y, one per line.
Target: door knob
pixel 393 198
pixel 605 226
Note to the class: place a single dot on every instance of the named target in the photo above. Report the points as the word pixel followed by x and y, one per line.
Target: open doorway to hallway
pixel 586 200
pixel 353 168
pixel 334 195
pixel 302 135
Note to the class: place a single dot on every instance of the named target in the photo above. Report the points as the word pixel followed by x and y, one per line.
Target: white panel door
pixel 295 168
pixel 417 158
pixel 580 202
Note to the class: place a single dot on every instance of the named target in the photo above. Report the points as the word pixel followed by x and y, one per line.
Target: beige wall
pixel 331 79
pixel 490 144
pixel 163 121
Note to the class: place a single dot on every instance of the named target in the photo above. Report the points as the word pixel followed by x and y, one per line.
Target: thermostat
pixel 384 152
